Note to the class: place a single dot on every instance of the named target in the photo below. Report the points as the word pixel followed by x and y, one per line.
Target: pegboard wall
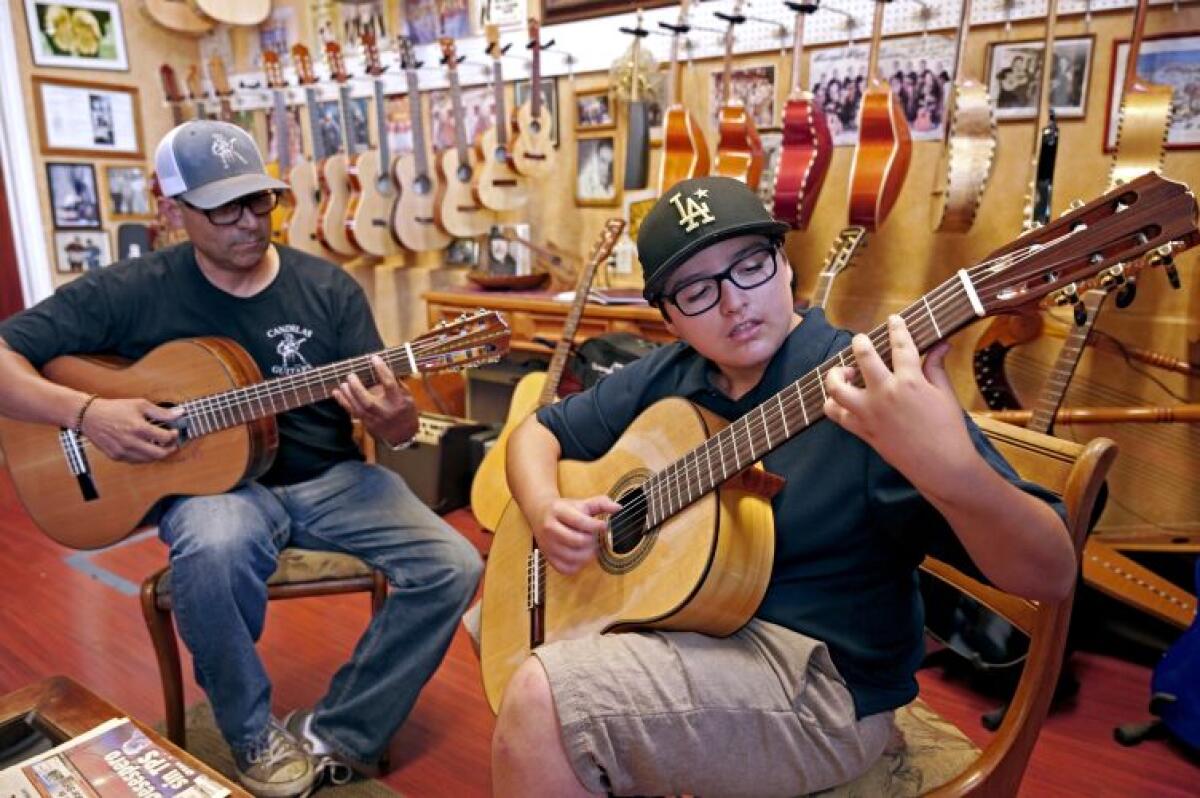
pixel 592 45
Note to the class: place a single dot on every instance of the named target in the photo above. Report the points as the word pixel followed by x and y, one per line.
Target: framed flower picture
pixel 84 34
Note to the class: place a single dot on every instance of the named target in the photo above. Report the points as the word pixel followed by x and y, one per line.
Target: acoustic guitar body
pixel 803 161
pixel 739 149
pixel 967 159
pixel 335 198
pixel 175 372
pixel 880 160
pixel 705 569
pixel 533 152
pixel 457 210
pixel 1002 334
pixel 413 219
pixel 177 17
pixel 234 12
pixel 369 210
pixel 1141 132
pixel 301 232
pixel 500 187
pixel 685 152
pixel 489 489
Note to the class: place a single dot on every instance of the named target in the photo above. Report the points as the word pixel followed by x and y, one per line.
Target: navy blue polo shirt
pixel 850 531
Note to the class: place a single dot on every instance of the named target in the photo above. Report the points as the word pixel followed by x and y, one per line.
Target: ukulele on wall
pixel 304 178
pixel 281 167
pixel 739 149
pixel 499 186
pixel 413 220
pixel 368 213
pixel 969 152
pixel 335 182
pixel 533 153
pixel 458 211
pixel 884 148
pixel 685 152
pixel 807 147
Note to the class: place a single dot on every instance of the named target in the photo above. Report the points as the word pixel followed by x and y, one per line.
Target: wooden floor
pixel 73 613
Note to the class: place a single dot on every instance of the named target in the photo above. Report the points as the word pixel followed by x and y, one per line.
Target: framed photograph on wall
pixel 594 110
pixel 128 192
pixel 81 119
pixel 81 250
pixel 549 102
pixel 1171 60
pixel 1014 75
pixel 755 87
pixel 73 196
pixel 479 115
pixel 85 34
pixel 596 172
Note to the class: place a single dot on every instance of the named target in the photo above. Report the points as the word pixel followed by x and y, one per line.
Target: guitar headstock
pixel 1146 214
pixel 274 70
pixel 371 53
pixel 337 66
pixel 170 84
pixel 449 54
pixel 408 59
pixel 304 68
pixel 535 33
pixel 491 33
pixel 216 74
pixel 607 240
pixel 468 341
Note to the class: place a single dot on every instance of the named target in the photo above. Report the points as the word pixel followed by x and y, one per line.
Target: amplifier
pixel 438 466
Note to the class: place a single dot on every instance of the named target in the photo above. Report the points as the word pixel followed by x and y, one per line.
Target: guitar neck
pixel 314 123
pixel 836 262
pixel 1051 396
pixel 283 133
pixel 562 349
pixel 420 153
pixel 1135 45
pixel 460 127
pixel 939 314
pixel 381 131
pixel 876 38
pixel 347 133
pixel 797 51
pixel 501 116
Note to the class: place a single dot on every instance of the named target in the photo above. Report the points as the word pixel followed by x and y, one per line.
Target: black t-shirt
pixel 311 314
pixel 850 530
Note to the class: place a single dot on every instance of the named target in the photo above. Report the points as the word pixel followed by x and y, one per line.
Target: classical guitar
pixel 177 17
pixel 234 12
pixel 969 151
pixel 533 152
pixel 281 166
pixel 691 548
pixel 840 256
pixel 304 178
pixel 82 499
pixel 498 185
pixel 335 182
pixel 1145 115
pixel 684 150
pixel 739 148
pixel 1045 138
pixel 489 488
pixel 413 219
pixel 166 233
pixel 369 211
pixel 457 210
pixel 884 147
pixel 807 143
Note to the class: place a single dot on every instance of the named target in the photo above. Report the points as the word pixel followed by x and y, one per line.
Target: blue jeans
pixel 223 549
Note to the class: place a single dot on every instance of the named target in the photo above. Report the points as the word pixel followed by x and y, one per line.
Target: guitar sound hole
pixel 626 528
pixel 422 185
pixel 501 154
pixel 464 174
pixel 535 126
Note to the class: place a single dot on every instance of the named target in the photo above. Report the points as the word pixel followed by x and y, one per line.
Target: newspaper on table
pixel 114 760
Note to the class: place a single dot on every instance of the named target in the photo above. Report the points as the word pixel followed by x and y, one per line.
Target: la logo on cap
pixel 692 213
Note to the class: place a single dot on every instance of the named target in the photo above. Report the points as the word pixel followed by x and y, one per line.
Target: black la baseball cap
pixel 695 214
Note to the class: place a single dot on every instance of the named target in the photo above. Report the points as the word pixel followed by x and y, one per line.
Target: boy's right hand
pixel 568 530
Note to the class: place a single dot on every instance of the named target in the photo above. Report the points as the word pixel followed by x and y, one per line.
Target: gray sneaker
pixel 327 763
pixel 280 768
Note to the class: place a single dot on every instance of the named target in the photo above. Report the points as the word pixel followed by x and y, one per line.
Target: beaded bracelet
pixel 78 427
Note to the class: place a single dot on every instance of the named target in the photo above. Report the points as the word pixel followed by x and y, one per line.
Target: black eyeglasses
pixel 750 271
pixel 259 204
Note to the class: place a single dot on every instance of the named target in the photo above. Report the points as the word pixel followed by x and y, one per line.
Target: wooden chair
pixel 300 574
pixel 929 755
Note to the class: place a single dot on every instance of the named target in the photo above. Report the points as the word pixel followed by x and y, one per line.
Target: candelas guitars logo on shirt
pixel 288 339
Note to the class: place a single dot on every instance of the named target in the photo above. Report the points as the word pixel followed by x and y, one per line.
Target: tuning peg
pixel 1075 205
pixel 1069 295
pixel 1127 294
pixel 1114 277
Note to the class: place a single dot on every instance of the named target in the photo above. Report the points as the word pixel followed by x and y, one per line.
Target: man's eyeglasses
pixel 259 204
pixel 750 271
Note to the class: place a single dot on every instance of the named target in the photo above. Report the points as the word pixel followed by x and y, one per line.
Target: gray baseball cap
pixel 208 163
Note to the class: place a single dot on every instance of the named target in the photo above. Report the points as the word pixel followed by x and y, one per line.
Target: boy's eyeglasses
pixel 701 294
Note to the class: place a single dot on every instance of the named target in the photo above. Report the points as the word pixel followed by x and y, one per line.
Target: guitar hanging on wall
pixel 335 181
pixel 413 214
pixel 684 150
pixel 533 149
pixel 498 186
pixel 739 148
pixel 458 211
pixel 368 213
pixel 1145 116
pixel 305 177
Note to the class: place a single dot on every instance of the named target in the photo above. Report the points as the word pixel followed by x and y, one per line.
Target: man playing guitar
pixel 801 698
pixel 292 312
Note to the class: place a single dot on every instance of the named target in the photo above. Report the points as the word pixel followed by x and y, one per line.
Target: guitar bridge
pixel 535 586
pixel 73 447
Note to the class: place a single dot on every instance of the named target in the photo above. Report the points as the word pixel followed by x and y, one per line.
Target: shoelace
pixel 336 770
pixel 279 746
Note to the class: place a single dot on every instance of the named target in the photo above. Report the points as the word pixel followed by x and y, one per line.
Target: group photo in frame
pixel 81 119
pixel 596 171
pixel 478 110
pixel 1171 60
pixel 74 199
pixel 81 250
pixel 83 34
pixel 594 109
pixel 1014 77
pixel 128 192
pixel 549 102
pixel 755 87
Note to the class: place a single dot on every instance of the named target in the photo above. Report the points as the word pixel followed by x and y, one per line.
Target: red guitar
pixel 739 149
pixel 807 143
pixel 884 145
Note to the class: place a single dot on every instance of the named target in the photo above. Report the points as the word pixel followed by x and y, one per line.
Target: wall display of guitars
pixel 373 194
pixel 305 176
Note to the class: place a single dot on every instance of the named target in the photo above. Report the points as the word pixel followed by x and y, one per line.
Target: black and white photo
pixel 128 191
pixel 595 183
pixel 1015 77
pixel 73 195
pixel 81 250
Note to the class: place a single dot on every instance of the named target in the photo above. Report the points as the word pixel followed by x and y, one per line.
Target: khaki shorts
pixel 762 712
